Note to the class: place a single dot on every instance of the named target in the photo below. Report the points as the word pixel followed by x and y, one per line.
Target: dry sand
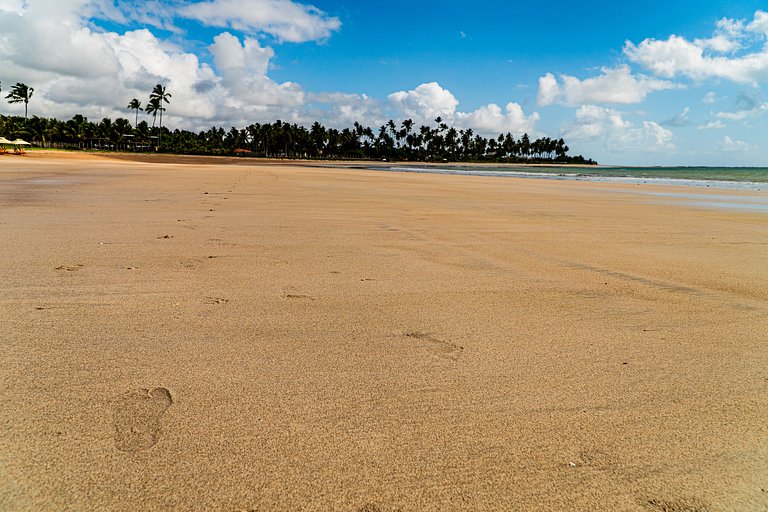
pixel 199 336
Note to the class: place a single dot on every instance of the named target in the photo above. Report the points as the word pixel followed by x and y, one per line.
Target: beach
pixel 203 334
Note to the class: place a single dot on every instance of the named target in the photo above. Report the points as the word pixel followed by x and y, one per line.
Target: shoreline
pixel 631 180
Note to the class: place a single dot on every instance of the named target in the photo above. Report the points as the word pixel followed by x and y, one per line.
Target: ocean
pixel 744 178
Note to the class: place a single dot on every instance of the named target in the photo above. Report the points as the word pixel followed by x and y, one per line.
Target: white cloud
pixel 730 144
pixel 712 125
pixel 342 110
pixel 760 23
pixel 429 101
pixel 747 106
pixel 490 119
pixel 425 102
pixel 285 19
pixel 75 68
pixel 710 58
pixel 727 36
pixel 243 69
pixel 730 27
pixel 709 98
pixel 614 85
pixel 549 90
pixel 617 134
pixel 681 119
pixel 741 115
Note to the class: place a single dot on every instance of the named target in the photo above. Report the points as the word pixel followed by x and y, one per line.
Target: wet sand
pixel 190 335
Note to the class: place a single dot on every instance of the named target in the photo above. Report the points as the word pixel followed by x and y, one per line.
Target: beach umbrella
pixel 3 140
pixel 19 142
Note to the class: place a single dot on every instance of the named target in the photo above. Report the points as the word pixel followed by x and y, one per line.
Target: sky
pixel 629 83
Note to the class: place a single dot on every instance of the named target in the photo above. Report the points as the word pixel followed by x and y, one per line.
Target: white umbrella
pixel 3 140
pixel 19 142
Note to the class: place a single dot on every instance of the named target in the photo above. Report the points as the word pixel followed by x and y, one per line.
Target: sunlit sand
pixel 183 334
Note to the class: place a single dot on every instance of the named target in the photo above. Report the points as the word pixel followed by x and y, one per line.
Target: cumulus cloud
pixel 429 101
pixel 243 70
pixel 711 125
pixel 714 57
pixel 740 115
pixel 425 102
pixel 285 19
pixel 760 23
pixel 549 90
pixel 78 67
pixel 731 145
pixel 747 106
pixel 681 119
pixel 709 98
pixel 614 85
pixel 490 119
pixel 342 110
pixel 608 126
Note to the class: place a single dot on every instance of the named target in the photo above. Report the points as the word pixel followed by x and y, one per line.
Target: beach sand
pixel 181 334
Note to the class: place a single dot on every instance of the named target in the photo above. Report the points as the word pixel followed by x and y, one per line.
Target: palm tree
pixel 152 108
pixel 160 95
pixel 21 93
pixel 135 105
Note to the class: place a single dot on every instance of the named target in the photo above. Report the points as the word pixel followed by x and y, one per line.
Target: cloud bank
pixel 736 52
pixel 614 85
pixel 78 67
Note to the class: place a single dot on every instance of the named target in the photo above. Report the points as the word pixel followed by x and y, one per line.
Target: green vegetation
pixel 438 143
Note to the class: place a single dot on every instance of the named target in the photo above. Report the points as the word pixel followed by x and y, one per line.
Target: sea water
pixel 743 178
pixel 751 180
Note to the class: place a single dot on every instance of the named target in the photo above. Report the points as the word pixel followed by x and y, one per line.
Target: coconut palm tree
pixel 21 93
pixel 160 95
pixel 153 107
pixel 135 104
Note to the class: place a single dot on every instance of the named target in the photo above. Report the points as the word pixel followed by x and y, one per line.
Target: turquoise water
pixel 750 178
pixel 750 174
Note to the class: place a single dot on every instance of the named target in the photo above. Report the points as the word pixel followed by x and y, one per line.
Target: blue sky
pixel 651 83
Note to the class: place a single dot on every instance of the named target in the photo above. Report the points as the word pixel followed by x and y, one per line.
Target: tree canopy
pixel 391 141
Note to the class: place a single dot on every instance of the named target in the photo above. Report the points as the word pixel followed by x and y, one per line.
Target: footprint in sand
pixel 378 507
pixel 70 268
pixel 216 300
pixel 680 505
pixel 298 296
pixel 437 347
pixel 137 418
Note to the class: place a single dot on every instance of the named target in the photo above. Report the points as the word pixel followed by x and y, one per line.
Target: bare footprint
pixel 679 505
pixel 378 507
pixel 437 347
pixel 70 268
pixel 137 418
pixel 298 296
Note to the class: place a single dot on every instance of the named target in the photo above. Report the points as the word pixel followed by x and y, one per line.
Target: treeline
pixel 391 141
